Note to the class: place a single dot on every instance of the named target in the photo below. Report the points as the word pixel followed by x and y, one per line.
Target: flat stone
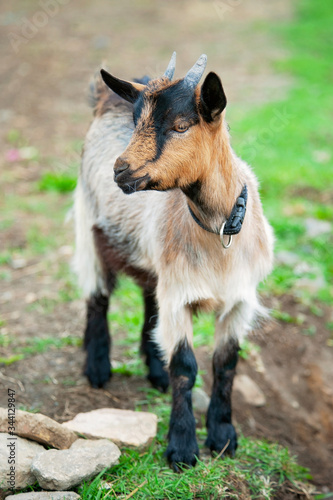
pixel 200 400
pixel 63 469
pixel 22 452
pixel 123 427
pixel 40 428
pixel 250 391
pixel 45 495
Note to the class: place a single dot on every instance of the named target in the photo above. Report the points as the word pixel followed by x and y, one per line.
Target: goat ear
pixel 127 90
pixel 212 98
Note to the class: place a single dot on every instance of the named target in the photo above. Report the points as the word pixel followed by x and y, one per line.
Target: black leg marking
pixel 183 447
pixel 97 341
pixel 219 426
pixel 157 375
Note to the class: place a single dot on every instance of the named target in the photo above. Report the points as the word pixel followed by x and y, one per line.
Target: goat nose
pixel 120 166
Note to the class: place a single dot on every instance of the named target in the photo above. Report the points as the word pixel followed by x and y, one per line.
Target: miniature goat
pixel 166 144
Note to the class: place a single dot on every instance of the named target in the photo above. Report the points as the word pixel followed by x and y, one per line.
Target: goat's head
pixel 175 125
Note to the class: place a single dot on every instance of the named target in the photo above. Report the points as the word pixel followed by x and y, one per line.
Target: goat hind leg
pixel 157 374
pixel 97 339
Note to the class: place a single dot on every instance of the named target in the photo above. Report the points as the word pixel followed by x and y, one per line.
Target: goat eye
pixel 181 127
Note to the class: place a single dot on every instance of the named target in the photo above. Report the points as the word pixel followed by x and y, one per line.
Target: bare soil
pixel 43 90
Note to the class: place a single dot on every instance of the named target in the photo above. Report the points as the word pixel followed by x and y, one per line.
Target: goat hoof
pixel 159 379
pixel 98 373
pixel 223 438
pixel 181 459
pixel 182 450
pixel 157 374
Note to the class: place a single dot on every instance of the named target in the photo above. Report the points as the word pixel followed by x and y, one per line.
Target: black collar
pixel 233 224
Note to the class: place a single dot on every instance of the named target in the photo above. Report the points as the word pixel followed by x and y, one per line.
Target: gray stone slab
pixel 20 453
pixel 63 469
pixel 43 495
pixel 123 427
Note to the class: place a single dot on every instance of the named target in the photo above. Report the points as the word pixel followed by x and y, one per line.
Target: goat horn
pixel 193 76
pixel 171 67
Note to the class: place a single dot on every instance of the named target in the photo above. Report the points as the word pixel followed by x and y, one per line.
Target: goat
pixel 158 186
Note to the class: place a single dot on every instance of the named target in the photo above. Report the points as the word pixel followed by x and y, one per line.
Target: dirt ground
pixel 47 61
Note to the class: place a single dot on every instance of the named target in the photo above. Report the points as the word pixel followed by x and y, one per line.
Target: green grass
pixel 59 182
pixel 38 345
pixel 258 469
pixel 11 359
pixel 290 145
pixel 35 345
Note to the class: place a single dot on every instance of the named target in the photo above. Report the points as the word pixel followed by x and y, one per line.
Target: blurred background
pixel 275 61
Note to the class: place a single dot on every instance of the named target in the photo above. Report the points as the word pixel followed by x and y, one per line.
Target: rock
pixel 23 452
pixel 100 42
pixel 200 400
pixel 316 227
pixel 123 427
pixel 287 258
pixel 63 469
pixel 38 427
pixel 6 297
pixel 43 495
pixel 250 391
pixel 312 285
pixel 30 298
pixel 18 263
pixel 65 251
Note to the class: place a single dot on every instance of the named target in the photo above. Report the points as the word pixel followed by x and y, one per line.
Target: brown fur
pixel 115 261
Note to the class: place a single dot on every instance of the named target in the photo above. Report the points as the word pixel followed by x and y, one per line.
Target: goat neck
pixel 212 197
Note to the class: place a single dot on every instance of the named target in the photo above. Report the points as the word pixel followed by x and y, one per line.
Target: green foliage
pixel 15 138
pixel 60 182
pixel 290 144
pixel 259 468
pixel 11 359
pixel 40 345
pixel 248 347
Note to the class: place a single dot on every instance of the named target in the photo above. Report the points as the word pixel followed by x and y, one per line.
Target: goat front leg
pixel 183 447
pixel 221 432
pixel 174 335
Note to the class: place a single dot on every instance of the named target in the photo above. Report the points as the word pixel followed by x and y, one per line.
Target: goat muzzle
pixel 120 166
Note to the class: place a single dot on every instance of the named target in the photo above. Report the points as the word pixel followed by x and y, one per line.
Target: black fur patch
pixel 219 426
pixel 183 447
pixel 173 103
pixel 97 342
pixel 193 190
pixel 157 375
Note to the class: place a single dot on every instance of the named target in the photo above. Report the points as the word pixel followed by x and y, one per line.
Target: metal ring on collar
pixel 222 236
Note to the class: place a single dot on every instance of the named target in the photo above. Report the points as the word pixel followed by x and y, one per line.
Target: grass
pixel 35 345
pixel 289 143
pixel 258 470
pixel 292 156
pixel 59 182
